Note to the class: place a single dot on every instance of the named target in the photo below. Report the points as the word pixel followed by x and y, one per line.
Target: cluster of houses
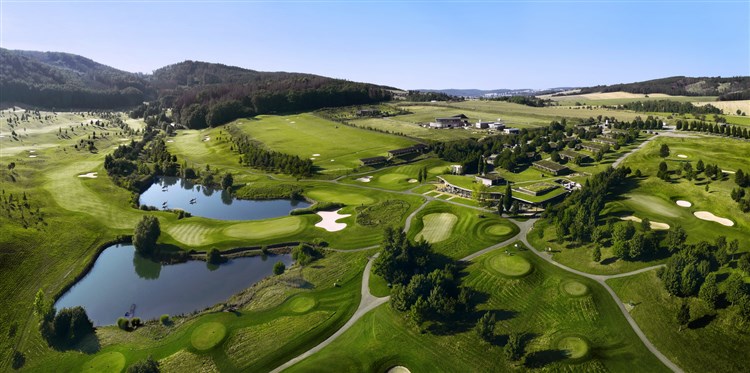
pixel 374 161
pixel 461 121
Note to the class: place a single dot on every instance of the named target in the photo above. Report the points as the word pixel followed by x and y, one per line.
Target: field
pixel 619 98
pixel 400 177
pixel 709 343
pixel 559 329
pixel 335 148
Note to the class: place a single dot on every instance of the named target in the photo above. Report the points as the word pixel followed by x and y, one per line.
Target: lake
pixel 121 277
pixel 176 193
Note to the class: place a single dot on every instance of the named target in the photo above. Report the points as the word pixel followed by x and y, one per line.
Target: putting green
pixel 574 288
pixel 437 227
pixel 499 230
pixel 208 335
pixel 510 265
pixel 575 347
pixel 106 362
pixel 302 304
pixel 392 178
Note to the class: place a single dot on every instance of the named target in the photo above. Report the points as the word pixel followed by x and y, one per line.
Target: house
pixel 418 148
pixel 572 155
pixel 509 131
pixel 593 147
pixel 491 159
pixel 496 125
pixel 372 161
pixel 482 125
pixel 551 167
pixel 450 122
pixel 490 179
pixel 457 169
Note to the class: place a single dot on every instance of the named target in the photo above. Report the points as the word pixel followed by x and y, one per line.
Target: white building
pixel 451 122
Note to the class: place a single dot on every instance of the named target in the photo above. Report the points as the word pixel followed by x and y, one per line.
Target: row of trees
pixel 724 129
pixel 670 106
pixel 253 154
pixel 523 100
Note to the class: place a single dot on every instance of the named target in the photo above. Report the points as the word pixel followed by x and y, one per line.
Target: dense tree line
pixel 64 328
pixel 678 86
pixel 650 123
pixel 735 96
pixel 715 128
pixel 578 214
pixel 133 166
pixel 670 106
pixel 523 100
pixel 253 154
pixel 425 288
pixel 420 96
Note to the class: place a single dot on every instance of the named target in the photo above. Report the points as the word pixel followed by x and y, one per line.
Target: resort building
pixel 553 168
pixel 373 161
pixel 490 179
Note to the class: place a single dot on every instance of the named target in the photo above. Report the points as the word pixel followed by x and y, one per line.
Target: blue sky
pixel 502 44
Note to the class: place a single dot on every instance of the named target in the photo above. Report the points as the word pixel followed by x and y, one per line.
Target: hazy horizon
pixel 413 45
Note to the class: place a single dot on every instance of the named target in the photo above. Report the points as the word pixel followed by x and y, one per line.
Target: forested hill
pixel 206 94
pixel 731 88
pixel 62 80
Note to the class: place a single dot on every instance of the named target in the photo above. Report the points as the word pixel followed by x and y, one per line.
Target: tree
pixel 480 191
pixel 42 308
pixel 597 254
pixel 709 290
pixel 734 246
pixel 676 239
pixel 700 167
pixel 486 326
pixel 735 287
pixel 227 181
pixel 683 314
pixel 744 264
pixel 279 268
pixel 514 348
pixel 514 208
pixel 146 233
pixel 214 256
pixel 145 366
pixel 664 151
pixel 507 197
pixel 646 224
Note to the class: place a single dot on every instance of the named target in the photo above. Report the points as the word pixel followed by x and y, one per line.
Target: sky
pixel 405 44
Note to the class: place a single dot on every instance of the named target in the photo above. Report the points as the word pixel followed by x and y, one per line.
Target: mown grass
pixel 533 305
pixel 398 177
pixel 472 231
pixel 712 342
pixel 339 147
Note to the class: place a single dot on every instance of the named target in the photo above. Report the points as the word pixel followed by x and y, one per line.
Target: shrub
pixel 145 366
pixel 123 323
pixel 18 360
pixel 279 268
pixel 164 319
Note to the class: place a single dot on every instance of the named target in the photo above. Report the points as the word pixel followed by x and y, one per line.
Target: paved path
pixel 367 303
pixel 616 163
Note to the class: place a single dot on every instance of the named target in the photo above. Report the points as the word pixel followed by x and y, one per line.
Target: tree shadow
pixel 542 358
pixel 609 260
pixel 702 322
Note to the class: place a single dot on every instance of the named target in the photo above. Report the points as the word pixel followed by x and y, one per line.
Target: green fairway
pixel 711 342
pixel 471 231
pixel 553 321
pixel 400 177
pixel 110 362
pixel 338 147
pixel 208 335
pixel 437 227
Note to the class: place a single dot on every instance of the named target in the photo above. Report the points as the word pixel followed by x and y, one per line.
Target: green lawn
pixel 472 230
pixel 555 324
pixel 711 343
pixel 339 147
pixel 399 177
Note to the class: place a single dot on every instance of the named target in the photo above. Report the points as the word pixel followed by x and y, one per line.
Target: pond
pixel 176 193
pixel 121 278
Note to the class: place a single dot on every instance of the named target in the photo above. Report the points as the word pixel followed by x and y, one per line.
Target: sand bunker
pixel 312 158
pixel 399 369
pixel 681 156
pixel 90 175
pixel 655 225
pixel 316 155
pixel 705 215
pixel 413 181
pixel 32 151
pixel 683 203
pixel 365 179
pixel 728 172
pixel 206 138
pixel 329 220
pixel 32 156
pixel 170 140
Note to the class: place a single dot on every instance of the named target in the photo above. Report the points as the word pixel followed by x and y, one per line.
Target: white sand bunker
pixel 90 175
pixel 365 179
pixel 681 156
pixel 32 156
pixel 705 215
pixel 206 138
pixel 170 140
pixel 316 155
pixel 329 220
pixel 683 203
pixel 413 181
pixel 399 369
pixel 655 225
pixel 728 172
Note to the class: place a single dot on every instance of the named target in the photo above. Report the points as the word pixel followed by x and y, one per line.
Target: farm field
pixel 619 98
pixel 334 148
pixel 549 305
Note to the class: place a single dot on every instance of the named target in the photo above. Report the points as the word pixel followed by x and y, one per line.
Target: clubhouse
pixel 551 167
